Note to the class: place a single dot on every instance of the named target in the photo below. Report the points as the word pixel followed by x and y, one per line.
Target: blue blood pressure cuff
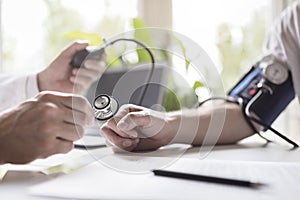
pixel 267 106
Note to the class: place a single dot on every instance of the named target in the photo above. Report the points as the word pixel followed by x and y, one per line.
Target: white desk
pixel 16 182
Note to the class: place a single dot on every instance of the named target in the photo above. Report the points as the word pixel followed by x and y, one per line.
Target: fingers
pixel 75 117
pixel 63 146
pixel 82 78
pixel 92 71
pixel 124 112
pixel 69 132
pixel 120 130
pixel 147 144
pixel 71 107
pixel 137 128
pixel 95 65
pixel 125 109
pixel 47 125
pixel 128 144
pixel 73 48
pixel 79 104
pixel 128 134
pixel 52 123
pixel 57 146
pixel 115 140
pixel 134 119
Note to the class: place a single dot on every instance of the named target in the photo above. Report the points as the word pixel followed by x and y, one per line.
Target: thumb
pixel 134 119
pixel 74 47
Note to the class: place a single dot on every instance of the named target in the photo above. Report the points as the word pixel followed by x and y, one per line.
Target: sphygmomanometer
pixel 262 93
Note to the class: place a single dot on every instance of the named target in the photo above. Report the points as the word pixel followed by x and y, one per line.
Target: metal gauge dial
pixel 276 73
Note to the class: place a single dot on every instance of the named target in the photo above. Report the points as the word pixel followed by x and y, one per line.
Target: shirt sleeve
pixel 15 89
pixel 283 42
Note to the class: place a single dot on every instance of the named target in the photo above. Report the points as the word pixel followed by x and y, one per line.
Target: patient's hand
pixel 135 128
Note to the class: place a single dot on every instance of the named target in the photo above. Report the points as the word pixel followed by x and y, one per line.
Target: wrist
pixel 169 130
pixel 41 81
pixel 184 126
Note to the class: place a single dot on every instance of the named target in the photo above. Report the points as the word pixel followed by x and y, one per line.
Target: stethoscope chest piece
pixel 105 107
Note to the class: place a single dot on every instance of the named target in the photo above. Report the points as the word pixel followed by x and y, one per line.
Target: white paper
pixel 98 181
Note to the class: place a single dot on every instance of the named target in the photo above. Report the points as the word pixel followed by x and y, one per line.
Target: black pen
pixel 210 179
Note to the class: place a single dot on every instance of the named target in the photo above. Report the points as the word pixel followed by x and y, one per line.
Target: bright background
pixel 230 31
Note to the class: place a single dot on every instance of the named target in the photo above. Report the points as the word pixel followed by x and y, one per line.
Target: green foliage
pixel 240 46
pixel 174 99
pixel 60 21
pixel 65 22
pixel 143 35
pixel 93 38
pixel 188 99
pixel 9 44
pixel 171 102
pixel 197 85
pixel 187 61
pixel 110 25
pixel 112 58
pixel 179 94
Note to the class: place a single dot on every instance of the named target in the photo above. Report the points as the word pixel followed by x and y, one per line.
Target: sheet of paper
pixel 98 181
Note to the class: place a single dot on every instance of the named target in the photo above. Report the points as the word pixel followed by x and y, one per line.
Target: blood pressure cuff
pixel 268 106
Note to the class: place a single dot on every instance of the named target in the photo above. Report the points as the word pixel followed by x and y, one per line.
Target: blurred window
pixel 231 32
pixel 33 30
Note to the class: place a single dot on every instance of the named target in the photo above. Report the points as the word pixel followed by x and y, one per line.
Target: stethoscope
pixel 106 106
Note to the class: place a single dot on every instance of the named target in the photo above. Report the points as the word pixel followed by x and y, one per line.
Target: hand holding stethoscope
pixel 105 106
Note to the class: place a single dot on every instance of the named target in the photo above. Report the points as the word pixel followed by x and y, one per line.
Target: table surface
pixel 19 177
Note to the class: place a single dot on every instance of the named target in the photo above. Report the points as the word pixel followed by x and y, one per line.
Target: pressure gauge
pixel 276 73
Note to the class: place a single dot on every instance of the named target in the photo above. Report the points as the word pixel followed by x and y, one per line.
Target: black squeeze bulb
pixel 86 54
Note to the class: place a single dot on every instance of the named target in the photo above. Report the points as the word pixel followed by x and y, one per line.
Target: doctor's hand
pixel 135 128
pixel 60 76
pixel 45 125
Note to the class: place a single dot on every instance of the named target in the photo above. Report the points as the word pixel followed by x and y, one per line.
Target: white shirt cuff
pixel 31 88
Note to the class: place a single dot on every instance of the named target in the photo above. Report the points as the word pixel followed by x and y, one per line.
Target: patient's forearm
pixel 222 124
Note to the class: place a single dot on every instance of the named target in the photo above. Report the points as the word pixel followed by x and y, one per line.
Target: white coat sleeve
pixel 16 89
pixel 284 42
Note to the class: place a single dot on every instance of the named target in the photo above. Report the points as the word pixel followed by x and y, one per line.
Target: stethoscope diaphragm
pixel 105 107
